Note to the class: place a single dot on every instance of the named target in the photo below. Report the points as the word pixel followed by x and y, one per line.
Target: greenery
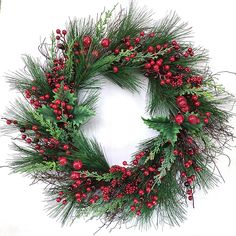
pixel 59 98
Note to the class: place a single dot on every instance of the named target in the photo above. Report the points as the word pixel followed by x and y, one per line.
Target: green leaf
pixel 167 128
pixel 47 113
pixel 82 114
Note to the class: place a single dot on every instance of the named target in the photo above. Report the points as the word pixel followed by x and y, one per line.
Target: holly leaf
pixel 82 114
pixel 168 129
pixel 47 113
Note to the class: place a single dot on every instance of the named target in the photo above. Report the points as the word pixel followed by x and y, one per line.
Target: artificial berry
pixel 115 69
pixel 105 42
pixel 62 161
pixel 179 119
pixel 87 40
pixel 77 165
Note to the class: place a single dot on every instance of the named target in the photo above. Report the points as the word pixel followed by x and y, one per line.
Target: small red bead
pixel 105 42
pixel 58 31
pixel 65 146
pixel 77 165
pixel 62 161
pixel 125 163
pixel 115 69
pixel 64 32
pixel 58 199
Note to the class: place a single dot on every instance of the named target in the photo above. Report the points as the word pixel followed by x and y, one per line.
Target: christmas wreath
pixel 186 107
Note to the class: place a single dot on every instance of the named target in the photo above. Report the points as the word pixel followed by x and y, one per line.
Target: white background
pixel 22 23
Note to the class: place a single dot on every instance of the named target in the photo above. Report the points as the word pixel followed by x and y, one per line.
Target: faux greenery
pixel 184 103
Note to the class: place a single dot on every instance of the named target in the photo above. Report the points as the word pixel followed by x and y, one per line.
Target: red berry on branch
pixel 116 51
pixel 136 201
pixel 166 67
pixel 35 128
pixel 62 161
pixel 194 98
pixel 197 104
pixel 58 31
pixel 105 42
pixel 142 33
pixel 77 165
pixel 152 34
pixel 158 47
pixel 87 40
pixel 74 175
pixel 179 119
pixel 147 66
pixel 156 68
pixel 190 198
pixel 125 163
pixel 65 147
pixel 193 119
pixel 176 152
pixel 132 208
pixel 23 136
pixel 34 88
pixel 58 199
pixel 8 122
pixel 115 69
pixel 150 49
pixel 141 192
pixel 64 32
pixel 206 120
pixel 138 213
pixel 208 114
pixel 29 140
pixel 58 37
pixel 137 40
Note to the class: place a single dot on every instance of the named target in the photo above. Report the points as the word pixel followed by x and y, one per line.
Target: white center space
pixel 118 125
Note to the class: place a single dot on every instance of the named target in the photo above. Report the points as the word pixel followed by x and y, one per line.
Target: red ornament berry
pixel 150 49
pixel 136 201
pixel 8 122
pixel 105 42
pixel 58 31
pixel 141 192
pixel 208 114
pixel 64 32
pixel 87 40
pixel 125 163
pixel 138 213
pixel 137 40
pixel 23 136
pixel 193 119
pixel 206 120
pixel 132 208
pixel 116 51
pixel 29 140
pixel 62 161
pixel 176 152
pixel 194 97
pixel 115 69
pixel 77 165
pixel 35 128
pixel 142 33
pixel 197 104
pixel 65 147
pixel 179 119
pixel 180 98
pixel 58 199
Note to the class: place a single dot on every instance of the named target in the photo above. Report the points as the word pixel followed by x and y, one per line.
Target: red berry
pixel 29 140
pixel 65 146
pixel 115 69
pixel 142 33
pixel 166 67
pixel 74 175
pixel 147 66
pixel 58 37
pixel 105 42
pixel 35 128
pixel 64 32
pixel 197 104
pixel 179 119
pixel 180 98
pixel 182 103
pixel 190 198
pixel 141 192
pixel 185 109
pixel 61 193
pixel 137 40
pixel 58 199
pixel 158 47
pixel 23 136
pixel 8 122
pixel 87 41
pixel 138 213
pixel 206 120
pixel 64 202
pixel 193 119
pixel 150 49
pixel 195 98
pixel 208 114
pixel 62 161
pixel 176 152
pixel 132 208
pixel 125 163
pixel 77 165
pixel 34 88
pixel 58 31
pixel 136 201
pixel 117 51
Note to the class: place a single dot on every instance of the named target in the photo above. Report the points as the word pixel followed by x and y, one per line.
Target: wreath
pixel 185 105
